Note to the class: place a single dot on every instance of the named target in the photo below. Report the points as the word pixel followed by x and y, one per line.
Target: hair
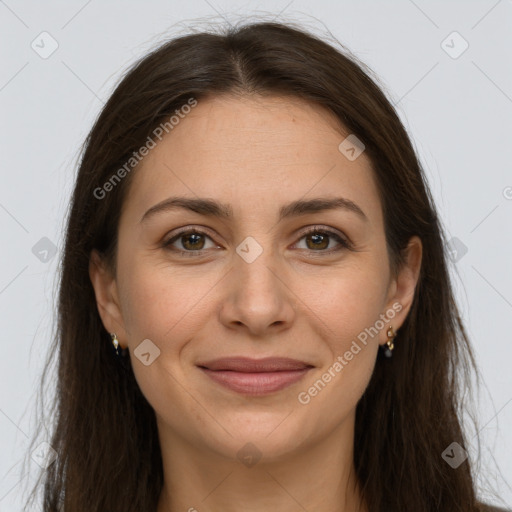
pixel 104 429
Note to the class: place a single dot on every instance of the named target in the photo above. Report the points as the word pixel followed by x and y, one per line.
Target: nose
pixel 258 297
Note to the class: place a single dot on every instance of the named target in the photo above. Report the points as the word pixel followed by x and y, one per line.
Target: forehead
pixel 248 127
pixel 253 150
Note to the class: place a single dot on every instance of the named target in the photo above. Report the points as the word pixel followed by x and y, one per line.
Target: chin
pixel 271 435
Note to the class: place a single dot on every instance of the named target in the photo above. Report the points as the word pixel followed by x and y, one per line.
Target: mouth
pixel 255 377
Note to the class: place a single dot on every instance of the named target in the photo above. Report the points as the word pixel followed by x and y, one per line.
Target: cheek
pixel 346 302
pixel 331 396
pixel 159 303
pixel 347 316
pixel 349 308
pixel 168 308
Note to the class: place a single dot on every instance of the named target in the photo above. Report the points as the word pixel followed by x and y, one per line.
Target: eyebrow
pixel 212 208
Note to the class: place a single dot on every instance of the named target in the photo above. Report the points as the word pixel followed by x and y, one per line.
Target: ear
pixel 403 285
pixel 107 299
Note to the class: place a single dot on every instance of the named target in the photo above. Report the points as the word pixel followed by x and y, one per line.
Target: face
pixel 265 280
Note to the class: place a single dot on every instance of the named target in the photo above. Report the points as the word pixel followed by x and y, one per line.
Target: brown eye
pixel 190 241
pixel 193 241
pixel 319 239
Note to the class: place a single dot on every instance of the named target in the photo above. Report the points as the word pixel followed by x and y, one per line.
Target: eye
pixel 192 241
pixel 318 239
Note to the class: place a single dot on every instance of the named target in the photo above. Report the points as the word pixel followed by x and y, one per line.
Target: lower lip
pixel 255 384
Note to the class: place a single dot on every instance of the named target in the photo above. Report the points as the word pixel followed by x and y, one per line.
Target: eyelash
pixel 344 243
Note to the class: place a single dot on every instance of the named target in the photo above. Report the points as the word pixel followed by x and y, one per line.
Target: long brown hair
pixel 105 431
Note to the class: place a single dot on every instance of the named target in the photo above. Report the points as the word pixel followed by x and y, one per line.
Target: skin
pixel 295 300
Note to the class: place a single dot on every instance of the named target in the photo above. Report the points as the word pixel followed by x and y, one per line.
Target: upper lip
pixel 248 365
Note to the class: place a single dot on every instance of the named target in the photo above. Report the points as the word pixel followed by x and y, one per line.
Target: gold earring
pixel 388 349
pixel 115 342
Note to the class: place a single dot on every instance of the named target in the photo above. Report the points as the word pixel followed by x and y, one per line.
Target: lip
pixel 255 377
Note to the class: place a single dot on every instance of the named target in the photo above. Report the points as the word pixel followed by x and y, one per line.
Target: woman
pixel 255 308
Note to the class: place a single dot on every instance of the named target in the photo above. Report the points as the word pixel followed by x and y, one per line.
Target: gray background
pixel 456 106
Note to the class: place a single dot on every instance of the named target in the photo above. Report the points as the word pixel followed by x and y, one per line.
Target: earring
pixel 122 354
pixel 115 342
pixel 388 349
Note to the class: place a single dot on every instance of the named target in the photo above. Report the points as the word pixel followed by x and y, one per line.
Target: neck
pixel 321 477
